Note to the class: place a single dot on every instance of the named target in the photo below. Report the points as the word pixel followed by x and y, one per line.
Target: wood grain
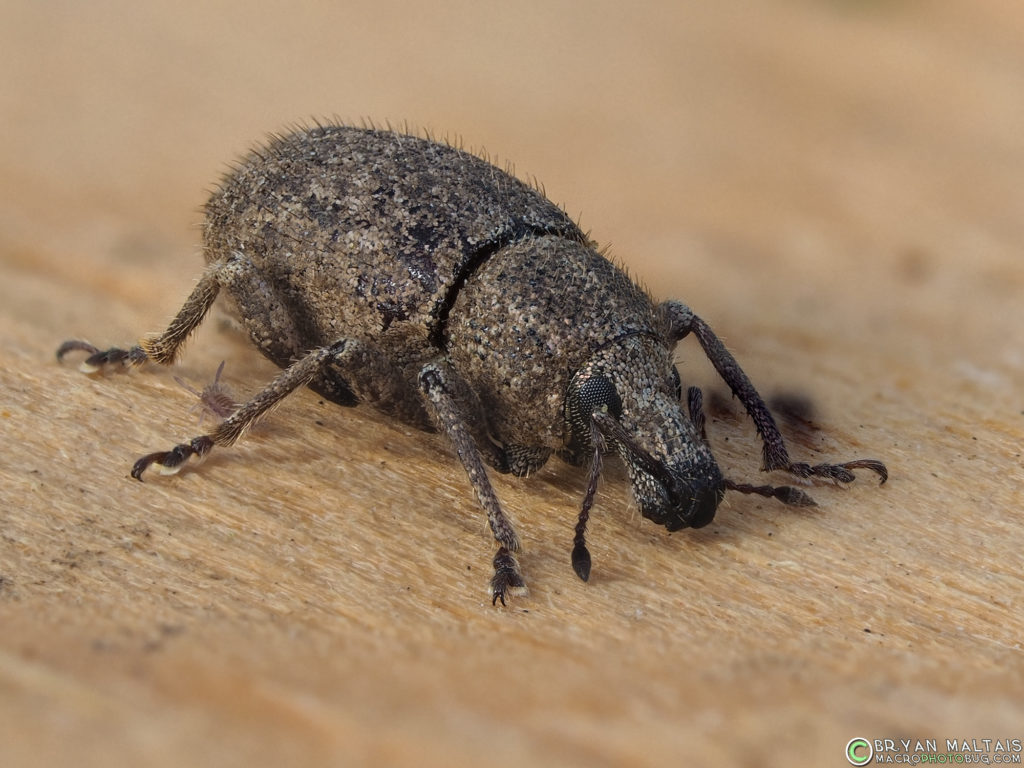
pixel 835 187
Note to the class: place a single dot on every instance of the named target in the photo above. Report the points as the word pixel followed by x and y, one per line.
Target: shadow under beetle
pixel 382 268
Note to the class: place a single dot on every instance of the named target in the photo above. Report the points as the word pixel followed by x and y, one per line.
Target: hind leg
pixel 257 307
pixel 160 349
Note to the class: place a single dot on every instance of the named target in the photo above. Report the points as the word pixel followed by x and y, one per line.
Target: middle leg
pixel 439 387
pixel 376 381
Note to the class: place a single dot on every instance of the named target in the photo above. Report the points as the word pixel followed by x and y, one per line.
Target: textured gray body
pixel 429 252
pixel 391 270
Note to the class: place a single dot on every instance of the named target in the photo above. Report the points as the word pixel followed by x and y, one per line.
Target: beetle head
pixel 627 397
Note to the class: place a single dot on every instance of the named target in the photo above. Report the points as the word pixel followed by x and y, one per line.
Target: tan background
pixel 835 186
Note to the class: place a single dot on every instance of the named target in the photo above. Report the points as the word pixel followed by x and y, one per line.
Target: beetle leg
pixel 507 577
pixel 436 386
pixel 215 399
pixel 228 431
pixel 160 349
pixel 360 362
pixel 794 497
pixel 682 322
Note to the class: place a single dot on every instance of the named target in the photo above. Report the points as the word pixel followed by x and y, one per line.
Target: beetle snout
pixel 685 504
pixel 697 508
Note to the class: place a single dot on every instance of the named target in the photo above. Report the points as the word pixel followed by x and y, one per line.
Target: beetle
pixel 384 268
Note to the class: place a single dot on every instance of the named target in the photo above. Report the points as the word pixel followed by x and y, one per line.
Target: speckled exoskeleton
pixel 388 269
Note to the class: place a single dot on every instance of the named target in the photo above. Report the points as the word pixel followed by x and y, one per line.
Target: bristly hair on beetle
pixel 387 269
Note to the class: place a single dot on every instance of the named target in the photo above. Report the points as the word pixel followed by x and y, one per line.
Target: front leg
pixel 682 322
pixel 437 384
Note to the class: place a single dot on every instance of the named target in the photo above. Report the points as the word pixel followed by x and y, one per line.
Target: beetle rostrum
pixel 387 269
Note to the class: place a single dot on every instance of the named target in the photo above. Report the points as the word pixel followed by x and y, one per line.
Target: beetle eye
pixel 586 395
pixel 597 393
pixel 677 383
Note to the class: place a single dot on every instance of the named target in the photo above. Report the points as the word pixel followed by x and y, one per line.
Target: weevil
pixel 383 268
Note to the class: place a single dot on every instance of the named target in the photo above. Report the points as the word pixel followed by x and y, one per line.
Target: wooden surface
pixel 835 186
